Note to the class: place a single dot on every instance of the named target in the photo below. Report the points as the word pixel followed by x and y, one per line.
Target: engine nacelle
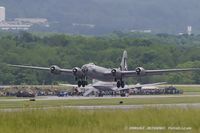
pixel 116 73
pixel 55 69
pixel 140 71
pixel 77 72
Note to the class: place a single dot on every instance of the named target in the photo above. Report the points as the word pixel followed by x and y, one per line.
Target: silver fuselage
pixel 98 72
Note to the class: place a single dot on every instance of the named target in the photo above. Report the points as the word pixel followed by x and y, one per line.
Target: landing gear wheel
pixel 122 84
pixel 79 83
pixel 118 84
pixel 83 83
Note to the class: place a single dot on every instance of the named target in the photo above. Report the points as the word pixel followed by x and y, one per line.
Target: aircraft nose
pixel 84 69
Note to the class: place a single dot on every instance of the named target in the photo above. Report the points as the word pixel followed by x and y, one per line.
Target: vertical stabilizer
pixel 123 65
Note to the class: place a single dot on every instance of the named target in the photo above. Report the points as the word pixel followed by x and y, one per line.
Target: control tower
pixel 189 30
pixel 2 14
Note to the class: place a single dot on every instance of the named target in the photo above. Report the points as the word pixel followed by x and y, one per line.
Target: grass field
pixel 189 89
pixel 146 120
pixel 99 121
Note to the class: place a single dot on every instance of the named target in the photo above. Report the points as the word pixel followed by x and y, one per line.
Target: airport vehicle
pixel 93 71
pixel 154 90
pixel 25 94
pixel 62 94
pixel 172 90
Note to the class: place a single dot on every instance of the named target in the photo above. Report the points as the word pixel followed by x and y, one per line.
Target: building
pixel 2 14
pixel 12 25
pixel 189 30
pixel 20 23
pixel 32 20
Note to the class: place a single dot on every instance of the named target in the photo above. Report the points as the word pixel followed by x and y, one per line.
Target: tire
pixel 122 84
pixel 79 83
pixel 83 83
pixel 118 84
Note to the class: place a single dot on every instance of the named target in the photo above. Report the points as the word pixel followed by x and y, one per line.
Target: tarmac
pixel 111 107
pixel 99 107
pixel 93 97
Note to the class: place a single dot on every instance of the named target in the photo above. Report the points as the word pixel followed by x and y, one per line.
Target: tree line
pixel 147 50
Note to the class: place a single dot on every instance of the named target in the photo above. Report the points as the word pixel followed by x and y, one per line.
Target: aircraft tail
pixel 123 65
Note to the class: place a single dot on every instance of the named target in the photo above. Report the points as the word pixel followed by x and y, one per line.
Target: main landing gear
pixel 82 83
pixel 120 83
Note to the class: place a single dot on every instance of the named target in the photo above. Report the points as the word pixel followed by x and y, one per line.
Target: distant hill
pixel 161 16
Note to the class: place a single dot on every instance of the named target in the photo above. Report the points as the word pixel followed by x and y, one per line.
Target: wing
pixel 164 71
pixel 142 72
pixel 67 85
pixel 127 87
pixel 144 85
pixel 30 67
pixel 53 69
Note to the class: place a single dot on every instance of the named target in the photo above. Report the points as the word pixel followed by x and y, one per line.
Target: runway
pixel 93 97
pixel 127 105
pixel 110 107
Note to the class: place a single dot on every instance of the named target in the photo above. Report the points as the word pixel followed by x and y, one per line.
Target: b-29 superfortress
pixel 92 71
